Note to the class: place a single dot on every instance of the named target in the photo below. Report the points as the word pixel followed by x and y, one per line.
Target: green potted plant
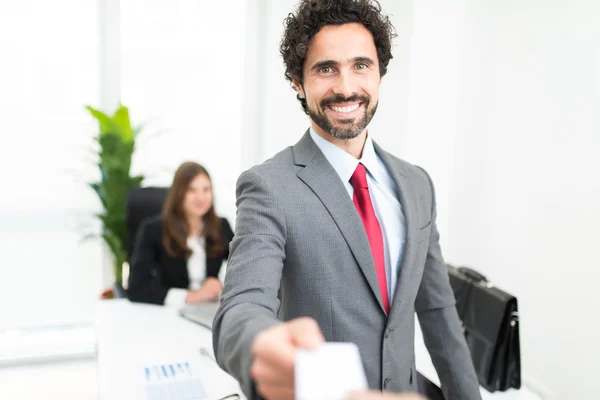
pixel 115 143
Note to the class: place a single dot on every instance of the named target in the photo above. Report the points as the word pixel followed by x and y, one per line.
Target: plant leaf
pixel 114 147
pixel 89 236
pixel 97 187
pixel 137 130
pixel 121 120
pixel 137 180
pixel 105 122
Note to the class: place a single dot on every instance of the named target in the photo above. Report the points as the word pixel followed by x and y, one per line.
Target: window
pixel 182 74
pixel 50 70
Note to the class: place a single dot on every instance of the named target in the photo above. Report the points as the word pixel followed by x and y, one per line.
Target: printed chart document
pixel 176 380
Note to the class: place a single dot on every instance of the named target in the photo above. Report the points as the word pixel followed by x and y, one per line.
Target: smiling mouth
pixel 344 109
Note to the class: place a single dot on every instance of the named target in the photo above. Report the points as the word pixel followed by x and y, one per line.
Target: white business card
pixel 330 372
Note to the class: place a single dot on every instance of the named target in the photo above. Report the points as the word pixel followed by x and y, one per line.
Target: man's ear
pixel 298 88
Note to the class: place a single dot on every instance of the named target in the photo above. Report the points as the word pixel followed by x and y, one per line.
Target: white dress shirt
pixel 196 266
pixel 384 195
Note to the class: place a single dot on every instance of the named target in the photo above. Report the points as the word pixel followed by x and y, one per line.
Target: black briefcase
pixel 490 321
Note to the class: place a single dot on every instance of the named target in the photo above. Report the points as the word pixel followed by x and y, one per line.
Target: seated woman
pixel 178 255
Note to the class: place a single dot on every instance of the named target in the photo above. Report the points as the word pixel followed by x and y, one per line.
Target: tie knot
pixel 359 177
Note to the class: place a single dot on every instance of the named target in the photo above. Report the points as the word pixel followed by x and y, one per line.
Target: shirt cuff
pixel 175 297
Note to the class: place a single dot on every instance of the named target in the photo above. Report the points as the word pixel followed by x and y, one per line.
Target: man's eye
pixel 325 70
pixel 361 66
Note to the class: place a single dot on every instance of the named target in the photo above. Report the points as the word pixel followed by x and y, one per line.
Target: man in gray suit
pixel 335 238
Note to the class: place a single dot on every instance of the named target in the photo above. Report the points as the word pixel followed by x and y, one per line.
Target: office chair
pixel 142 203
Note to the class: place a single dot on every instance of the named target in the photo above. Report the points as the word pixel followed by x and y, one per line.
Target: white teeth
pixel 345 109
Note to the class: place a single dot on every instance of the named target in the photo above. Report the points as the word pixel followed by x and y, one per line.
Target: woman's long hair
pixel 175 226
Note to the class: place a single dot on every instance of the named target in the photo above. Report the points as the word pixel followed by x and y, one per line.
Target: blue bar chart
pixel 175 381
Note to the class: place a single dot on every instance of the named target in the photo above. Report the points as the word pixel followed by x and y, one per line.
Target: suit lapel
pixel 408 202
pixel 321 177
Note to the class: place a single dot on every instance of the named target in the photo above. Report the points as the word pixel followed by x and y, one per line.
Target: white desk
pixel 130 334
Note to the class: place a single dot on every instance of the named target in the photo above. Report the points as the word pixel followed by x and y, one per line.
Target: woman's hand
pixel 210 289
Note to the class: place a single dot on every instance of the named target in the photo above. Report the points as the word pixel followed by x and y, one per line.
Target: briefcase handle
pixel 476 276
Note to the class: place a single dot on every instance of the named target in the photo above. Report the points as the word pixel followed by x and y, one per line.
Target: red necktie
pixel 362 202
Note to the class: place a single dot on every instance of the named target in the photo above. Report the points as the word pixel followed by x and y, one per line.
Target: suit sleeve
pixel 249 301
pixel 442 332
pixel 145 278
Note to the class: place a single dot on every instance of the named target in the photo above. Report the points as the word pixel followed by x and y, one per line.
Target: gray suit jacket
pixel 300 249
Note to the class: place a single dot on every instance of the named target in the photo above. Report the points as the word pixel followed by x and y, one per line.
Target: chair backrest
pixel 142 203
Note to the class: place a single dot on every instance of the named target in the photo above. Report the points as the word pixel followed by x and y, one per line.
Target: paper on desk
pixel 176 380
pixel 330 372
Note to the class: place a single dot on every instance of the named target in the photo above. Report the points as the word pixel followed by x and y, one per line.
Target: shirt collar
pixel 345 164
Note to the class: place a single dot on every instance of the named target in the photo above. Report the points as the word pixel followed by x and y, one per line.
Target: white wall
pixel 434 71
pixel 517 170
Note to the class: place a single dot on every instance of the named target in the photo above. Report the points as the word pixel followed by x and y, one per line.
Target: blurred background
pixel 498 100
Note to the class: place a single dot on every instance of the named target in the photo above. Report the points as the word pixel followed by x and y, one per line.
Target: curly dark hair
pixel 312 15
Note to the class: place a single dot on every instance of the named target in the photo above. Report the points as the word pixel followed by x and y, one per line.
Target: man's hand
pixel 374 395
pixel 274 350
pixel 209 290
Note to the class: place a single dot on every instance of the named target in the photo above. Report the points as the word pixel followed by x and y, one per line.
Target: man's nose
pixel 345 85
